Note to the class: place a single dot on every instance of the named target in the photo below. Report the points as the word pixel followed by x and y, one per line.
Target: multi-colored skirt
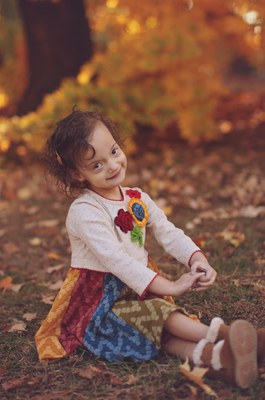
pixel 97 311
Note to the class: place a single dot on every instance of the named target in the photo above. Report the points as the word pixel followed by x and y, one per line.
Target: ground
pixel 215 192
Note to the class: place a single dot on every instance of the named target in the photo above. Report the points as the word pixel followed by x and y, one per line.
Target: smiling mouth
pixel 115 175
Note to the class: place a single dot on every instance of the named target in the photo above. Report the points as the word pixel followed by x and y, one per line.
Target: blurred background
pixel 190 70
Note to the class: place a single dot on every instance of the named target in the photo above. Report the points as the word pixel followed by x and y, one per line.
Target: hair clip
pixel 58 158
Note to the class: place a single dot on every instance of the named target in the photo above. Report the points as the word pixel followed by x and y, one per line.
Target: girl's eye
pixel 115 151
pixel 97 166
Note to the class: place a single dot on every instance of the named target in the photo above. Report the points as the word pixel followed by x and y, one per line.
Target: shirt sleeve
pixel 95 229
pixel 172 239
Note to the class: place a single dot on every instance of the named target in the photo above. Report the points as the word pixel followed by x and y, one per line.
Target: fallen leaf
pixel 116 381
pixel 30 316
pixel 6 283
pixel 24 193
pixel 32 210
pixel 16 383
pixel 36 241
pixel 58 267
pixel 17 326
pixel 10 248
pixel 55 286
pixel 49 223
pixel 53 256
pixel 90 371
pixel 47 298
pixel 233 237
pixel 251 211
pixel 196 375
pixel 2 232
pixel 131 379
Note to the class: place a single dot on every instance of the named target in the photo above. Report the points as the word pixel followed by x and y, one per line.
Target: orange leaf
pixel 196 375
pixel 6 283
pixel 53 256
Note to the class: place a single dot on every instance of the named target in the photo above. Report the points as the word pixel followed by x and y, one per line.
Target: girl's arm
pixel 165 287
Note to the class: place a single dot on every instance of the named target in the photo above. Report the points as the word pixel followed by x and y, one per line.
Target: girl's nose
pixel 112 165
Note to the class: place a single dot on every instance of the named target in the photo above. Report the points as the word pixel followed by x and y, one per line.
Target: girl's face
pixel 106 170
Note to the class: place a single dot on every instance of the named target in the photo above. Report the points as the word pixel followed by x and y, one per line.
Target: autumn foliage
pixel 160 64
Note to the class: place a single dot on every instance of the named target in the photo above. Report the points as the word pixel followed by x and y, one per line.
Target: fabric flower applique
pixel 133 193
pixel 134 219
pixel 138 211
pixel 124 221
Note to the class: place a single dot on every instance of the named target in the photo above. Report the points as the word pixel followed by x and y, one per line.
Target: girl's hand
pixel 209 275
pixel 187 282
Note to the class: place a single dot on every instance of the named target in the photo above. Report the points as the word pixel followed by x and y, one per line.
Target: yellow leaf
pixel 234 238
pixel 196 375
pixel 35 241
pixel 24 193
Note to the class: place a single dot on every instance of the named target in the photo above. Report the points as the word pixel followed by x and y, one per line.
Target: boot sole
pixel 243 341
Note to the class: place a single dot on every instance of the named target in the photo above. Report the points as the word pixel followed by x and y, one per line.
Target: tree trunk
pixel 58 42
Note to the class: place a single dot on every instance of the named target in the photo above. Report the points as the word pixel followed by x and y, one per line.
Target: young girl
pixel 114 302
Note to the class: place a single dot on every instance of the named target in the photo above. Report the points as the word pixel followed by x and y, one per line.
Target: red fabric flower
pixel 124 221
pixel 133 193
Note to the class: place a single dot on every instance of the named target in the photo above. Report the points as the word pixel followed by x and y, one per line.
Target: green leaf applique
pixel 137 236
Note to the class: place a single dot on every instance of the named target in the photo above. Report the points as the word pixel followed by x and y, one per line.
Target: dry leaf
pixel 18 326
pixel 2 232
pixel 233 237
pixel 196 375
pixel 131 380
pixel 53 256
pixel 16 383
pixel 24 193
pixel 36 241
pixel 55 286
pixel 6 283
pixel 30 316
pixel 251 211
pixel 90 371
pixel 50 270
pixel 10 248
pixel 49 223
pixel 47 298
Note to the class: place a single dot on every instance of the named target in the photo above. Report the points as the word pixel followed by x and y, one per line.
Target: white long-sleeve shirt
pixel 98 244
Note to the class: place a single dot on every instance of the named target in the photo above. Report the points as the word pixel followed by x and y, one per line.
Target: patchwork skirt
pixel 97 311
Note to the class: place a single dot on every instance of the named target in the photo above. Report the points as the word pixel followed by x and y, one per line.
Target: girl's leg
pixel 183 327
pixel 179 347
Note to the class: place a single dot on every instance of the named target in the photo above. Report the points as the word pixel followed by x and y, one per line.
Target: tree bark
pixel 58 42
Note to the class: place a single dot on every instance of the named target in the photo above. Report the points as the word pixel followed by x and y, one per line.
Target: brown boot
pixel 217 330
pixel 233 359
pixel 261 346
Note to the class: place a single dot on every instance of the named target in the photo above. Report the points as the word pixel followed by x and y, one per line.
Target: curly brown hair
pixel 65 148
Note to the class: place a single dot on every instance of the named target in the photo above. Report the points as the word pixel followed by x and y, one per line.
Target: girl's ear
pixel 77 175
